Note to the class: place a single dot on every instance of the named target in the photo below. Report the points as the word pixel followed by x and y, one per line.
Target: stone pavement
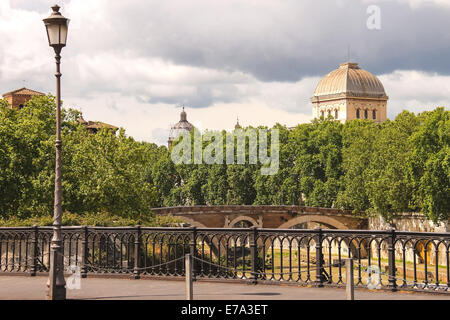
pixel 33 288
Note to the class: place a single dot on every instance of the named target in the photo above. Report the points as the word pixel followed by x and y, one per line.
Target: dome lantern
pixel 179 128
pixel 183 115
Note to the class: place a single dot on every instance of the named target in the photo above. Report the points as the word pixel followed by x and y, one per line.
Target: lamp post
pixel 57 26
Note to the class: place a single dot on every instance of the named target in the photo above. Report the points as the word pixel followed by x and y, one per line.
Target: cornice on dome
pixel 349 80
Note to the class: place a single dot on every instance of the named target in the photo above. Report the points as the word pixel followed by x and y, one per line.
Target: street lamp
pixel 57 26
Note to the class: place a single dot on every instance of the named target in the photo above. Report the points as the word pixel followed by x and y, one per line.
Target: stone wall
pixel 415 222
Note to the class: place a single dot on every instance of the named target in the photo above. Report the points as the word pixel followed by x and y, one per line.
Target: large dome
pixel 349 79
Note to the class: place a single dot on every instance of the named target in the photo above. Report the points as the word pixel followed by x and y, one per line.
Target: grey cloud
pixel 281 41
pixel 284 41
pixel 272 40
pixel 203 97
pixel 36 5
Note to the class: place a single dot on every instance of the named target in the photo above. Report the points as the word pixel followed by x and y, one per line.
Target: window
pixel 322 114
pixel 336 114
pixel 366 114
pixel 374 114
pixel 358 114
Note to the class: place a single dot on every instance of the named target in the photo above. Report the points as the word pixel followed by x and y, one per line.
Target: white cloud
pixel 415 4
pixel 24 47
pixel 415 91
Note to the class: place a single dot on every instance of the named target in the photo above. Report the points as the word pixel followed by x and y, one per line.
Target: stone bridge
pixel 276 217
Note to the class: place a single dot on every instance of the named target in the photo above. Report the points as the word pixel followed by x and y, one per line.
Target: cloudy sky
pixel 133 63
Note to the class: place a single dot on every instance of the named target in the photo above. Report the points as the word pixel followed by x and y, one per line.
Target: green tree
pixel 101 172
pixel 282 187
pixel 165 178
pixel 429 167
pixel 357 149
pixel 389 189
pixel 241 182
pixel 318 150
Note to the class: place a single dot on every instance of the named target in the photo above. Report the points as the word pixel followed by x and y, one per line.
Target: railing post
pixel 319 259
pixel 253 236
pixel 84 252
pixel 192 247
pixel 188 275
pixel 34 251
pixel 391 260
pixel 350 284
pixel 137 253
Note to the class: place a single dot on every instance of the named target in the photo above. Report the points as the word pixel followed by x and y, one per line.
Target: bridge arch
pixel 192 222
pixel 326 220
pixel 271 217
pixel 243 218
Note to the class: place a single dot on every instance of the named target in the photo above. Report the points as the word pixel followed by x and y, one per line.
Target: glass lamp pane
pixel 53 34
pixel 64 30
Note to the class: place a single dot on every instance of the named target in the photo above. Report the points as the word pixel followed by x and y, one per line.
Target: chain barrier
pixel 218 265
pixel 140 269
pixel 359 266
pixel 263 274
pixel 408 282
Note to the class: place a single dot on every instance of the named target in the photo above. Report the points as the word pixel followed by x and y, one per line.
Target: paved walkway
pixel 33 288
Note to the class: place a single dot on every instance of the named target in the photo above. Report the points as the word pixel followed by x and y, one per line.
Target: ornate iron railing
pixel 397 260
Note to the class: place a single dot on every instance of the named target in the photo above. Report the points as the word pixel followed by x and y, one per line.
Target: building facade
pixel 348 93
pixel 95 126
pixel 17 98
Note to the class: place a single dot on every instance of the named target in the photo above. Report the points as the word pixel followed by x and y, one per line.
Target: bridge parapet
pixel 250 209
pixel 264 216
pixel 307 257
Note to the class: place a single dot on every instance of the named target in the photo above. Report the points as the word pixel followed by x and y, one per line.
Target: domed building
pixel 348 93
pixel 181 126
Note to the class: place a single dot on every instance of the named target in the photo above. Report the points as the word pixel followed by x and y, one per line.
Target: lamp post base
pixel 58 293
pixel 56 284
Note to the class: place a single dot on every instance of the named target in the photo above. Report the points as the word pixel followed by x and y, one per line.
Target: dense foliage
pixel 397 166
pixel 102 173
pixel 388 168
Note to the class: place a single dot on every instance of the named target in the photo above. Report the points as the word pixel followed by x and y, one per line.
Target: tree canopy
pixel 370 168
pixel 380 169
pixel 102 172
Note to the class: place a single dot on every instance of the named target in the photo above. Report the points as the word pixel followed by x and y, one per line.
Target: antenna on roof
pixel 348 53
